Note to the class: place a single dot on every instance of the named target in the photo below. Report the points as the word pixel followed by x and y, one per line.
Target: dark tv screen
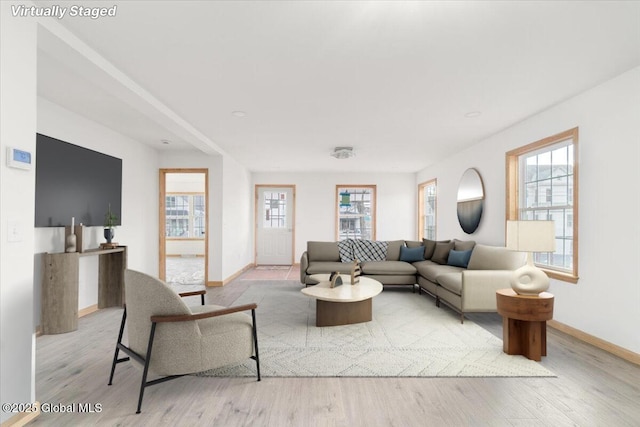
pixel 73 181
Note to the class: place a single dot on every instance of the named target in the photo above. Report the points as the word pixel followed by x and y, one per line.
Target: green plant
pixel 110 219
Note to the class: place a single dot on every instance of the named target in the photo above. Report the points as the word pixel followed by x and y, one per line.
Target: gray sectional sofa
pixel 462 274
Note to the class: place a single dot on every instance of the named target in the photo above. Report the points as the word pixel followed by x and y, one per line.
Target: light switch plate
pixel 14 231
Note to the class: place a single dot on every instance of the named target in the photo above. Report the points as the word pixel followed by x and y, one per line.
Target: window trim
pixel 513 192
pixel 421 188
pixel 374 204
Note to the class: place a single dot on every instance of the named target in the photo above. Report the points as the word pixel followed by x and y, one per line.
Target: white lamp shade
pixel 531 236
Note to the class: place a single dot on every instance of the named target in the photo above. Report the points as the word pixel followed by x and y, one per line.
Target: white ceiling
pixel 392 79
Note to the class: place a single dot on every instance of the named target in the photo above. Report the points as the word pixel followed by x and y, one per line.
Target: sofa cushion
pixel 459 258
pixel 451 282
pixel 430 246
pixel 393 250
pixel 495 258
pixel 324 267
pixel 411 254
pixel 323 251
pixel 345 249
pixel 463 245
pixel 387 267
pixel 441 252
pixel 431 271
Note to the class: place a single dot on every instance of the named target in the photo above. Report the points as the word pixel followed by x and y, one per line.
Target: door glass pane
pixel 274 210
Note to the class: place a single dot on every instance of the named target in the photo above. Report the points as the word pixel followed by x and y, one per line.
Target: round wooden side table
pixel 524 322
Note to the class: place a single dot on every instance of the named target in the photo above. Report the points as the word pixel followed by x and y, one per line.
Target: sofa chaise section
pixel 472 289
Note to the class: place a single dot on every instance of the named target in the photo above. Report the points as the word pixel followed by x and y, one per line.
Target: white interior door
pixel 274 225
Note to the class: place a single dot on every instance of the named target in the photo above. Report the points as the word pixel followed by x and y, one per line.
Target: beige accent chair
pixel 171 339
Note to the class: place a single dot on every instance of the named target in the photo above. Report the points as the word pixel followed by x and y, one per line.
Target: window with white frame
pixel 427 202
pixel 356 212
pixel 543 185
pixel 185 216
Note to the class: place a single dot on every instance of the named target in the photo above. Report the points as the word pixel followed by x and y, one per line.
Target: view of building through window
pixel 547 194
pixel 185 215
pixel 356 212
pixel 427 210
pixel 542 185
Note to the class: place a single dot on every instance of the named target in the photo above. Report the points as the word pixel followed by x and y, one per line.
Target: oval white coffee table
pixel 345 304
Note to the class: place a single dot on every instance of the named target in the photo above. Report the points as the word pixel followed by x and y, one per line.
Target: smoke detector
pixel 343 152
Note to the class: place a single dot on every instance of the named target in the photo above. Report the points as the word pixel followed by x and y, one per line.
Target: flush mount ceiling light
pixel 165 141
pixel 239 113
pixel 343 152
pixel 473 114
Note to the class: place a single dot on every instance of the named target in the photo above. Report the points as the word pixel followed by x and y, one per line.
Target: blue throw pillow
pixel 459 258
pixel 411 254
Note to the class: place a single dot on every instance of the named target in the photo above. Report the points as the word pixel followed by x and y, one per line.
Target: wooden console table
pixel 60 283
pixel 524 322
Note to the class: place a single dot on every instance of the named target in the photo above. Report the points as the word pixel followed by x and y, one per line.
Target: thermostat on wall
pixel 19 159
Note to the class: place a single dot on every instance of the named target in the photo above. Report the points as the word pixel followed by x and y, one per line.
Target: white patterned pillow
pixel 370 250
pixel 345 248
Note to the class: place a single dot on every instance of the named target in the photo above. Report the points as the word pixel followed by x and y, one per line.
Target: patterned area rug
pixel 408 337
pixel 185 270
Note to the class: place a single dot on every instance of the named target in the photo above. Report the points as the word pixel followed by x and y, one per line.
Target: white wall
pixel 139 229
pixel 17 207
pixel 237 218
pixel 396 208
pixel 606 300
pixel 185 247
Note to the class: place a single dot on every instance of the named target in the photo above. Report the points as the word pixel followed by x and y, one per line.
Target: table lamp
pixel 530 236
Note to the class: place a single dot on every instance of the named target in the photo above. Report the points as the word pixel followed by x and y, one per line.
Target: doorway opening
pixel 184 227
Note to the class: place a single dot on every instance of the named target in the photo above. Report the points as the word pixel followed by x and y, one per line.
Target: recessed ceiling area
pixel 278 85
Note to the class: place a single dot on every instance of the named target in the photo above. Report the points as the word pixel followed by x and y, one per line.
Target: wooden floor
pixel 593 388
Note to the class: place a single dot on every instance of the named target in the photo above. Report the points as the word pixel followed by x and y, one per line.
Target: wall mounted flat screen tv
pixel 73 181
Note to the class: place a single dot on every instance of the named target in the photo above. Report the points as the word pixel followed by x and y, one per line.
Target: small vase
pixel 70 243
pixel 108 234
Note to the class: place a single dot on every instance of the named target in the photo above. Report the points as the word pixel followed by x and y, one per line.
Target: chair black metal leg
pixel 117 351
pixel 255 341
pixel 147 360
